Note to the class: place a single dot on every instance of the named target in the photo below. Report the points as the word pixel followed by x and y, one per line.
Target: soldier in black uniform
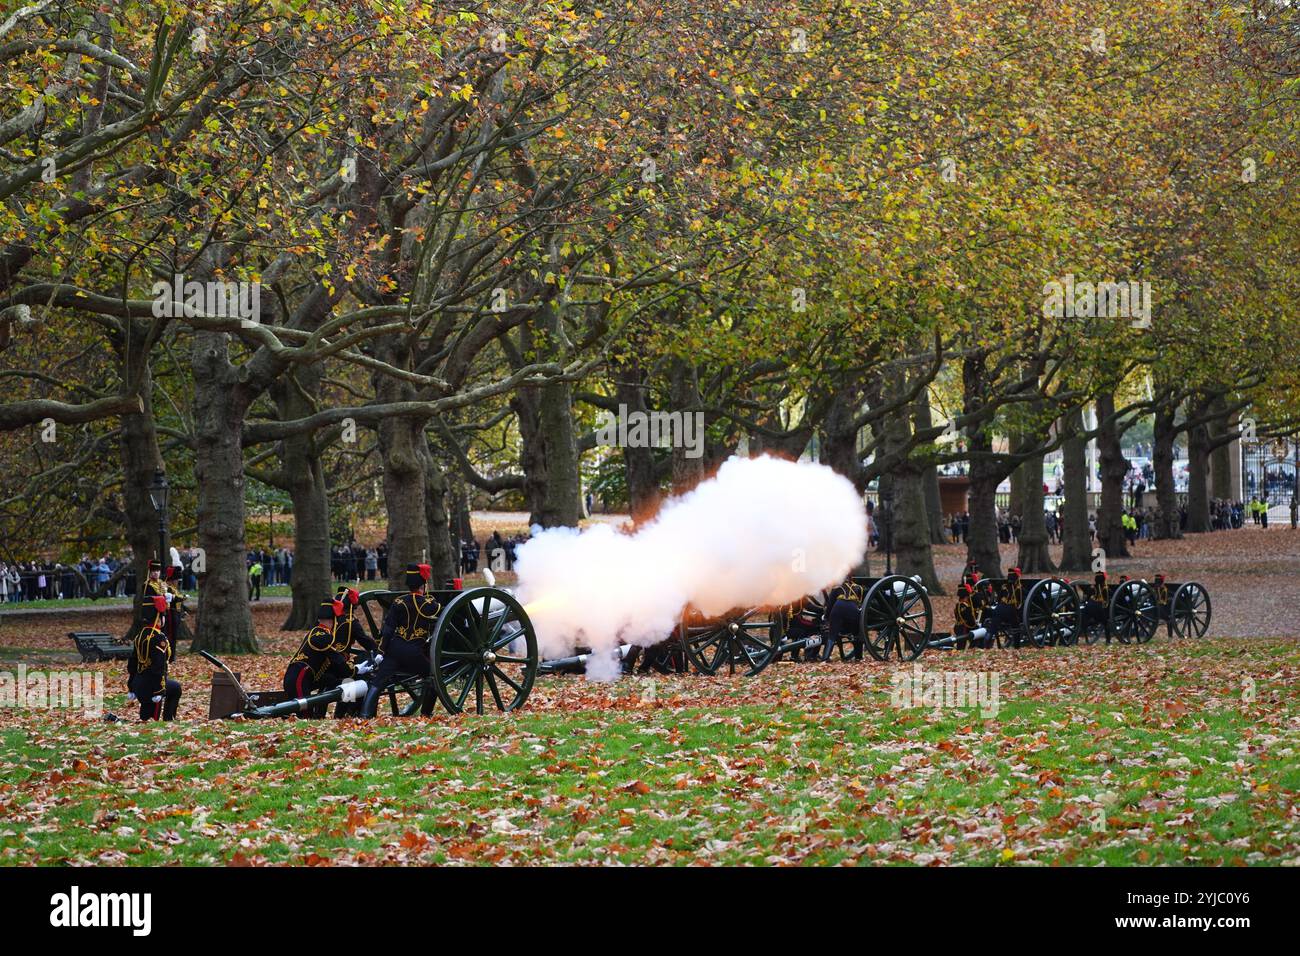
pixel 356 644
pixel 404 640
pixel 350 630
pixel 1096 610
pixel 1005 614
pixel 1162 596
pixel 843 616
pixel 146 669
pixel 805 623
pixel 319 662
pixel 966 627
pixel 971 575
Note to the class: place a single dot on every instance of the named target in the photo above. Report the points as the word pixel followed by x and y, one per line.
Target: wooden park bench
pixel 99 646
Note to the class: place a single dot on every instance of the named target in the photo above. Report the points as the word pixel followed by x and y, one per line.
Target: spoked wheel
pixel 1051 613
pixel 1189 611
pixel 896 619
pixel 484 646
pixel 406 694
pixel 1134 615
pixel 746 640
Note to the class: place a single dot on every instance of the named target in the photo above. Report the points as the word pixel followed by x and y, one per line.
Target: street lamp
pixel 887 512
pixel 158 492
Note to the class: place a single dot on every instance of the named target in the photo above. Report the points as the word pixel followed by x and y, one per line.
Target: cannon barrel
pixel 347 691
pixel 562 664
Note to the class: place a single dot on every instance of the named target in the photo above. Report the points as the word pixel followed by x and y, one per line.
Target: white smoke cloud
pixel 763 531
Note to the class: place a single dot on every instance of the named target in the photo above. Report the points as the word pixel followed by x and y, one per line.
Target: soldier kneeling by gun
pixel 843 616
pixel 1005 614
pixel 146 670
pixel 805 625
pixel 1096 609
pixel 356 645
pixel 404 639
pixel 319 663
pixel 966 627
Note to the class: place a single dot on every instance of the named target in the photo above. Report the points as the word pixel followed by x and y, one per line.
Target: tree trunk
pixel 1076 553
pixel 444 553
pixel 1162 463
pixel 643 494
pixel 402 451
pixel 930 478
pixel 911 523
pixel 225 621
pixel 303 477
pixel 561 502
pixel 1016 499
pixel 140 458
pixel 549 455
pixel 458 498
pixel 684 396
pixel 985 475
pixel 839 444
pixel 1221 457
pixel 1034 556
pixel 1198 480
pixel 1114 466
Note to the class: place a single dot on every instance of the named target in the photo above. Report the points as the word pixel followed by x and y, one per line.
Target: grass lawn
pixel 1168 753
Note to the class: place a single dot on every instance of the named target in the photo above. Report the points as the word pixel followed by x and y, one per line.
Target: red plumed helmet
pixel 160 603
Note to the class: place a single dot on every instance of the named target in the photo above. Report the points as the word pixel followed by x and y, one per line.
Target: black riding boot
pixel 371 703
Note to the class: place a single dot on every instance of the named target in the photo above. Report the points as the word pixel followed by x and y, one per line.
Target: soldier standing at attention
pixel 146 669
pixel 404 640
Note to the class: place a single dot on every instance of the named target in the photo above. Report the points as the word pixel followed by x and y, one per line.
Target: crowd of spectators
pixel 495 552
pixel 43 580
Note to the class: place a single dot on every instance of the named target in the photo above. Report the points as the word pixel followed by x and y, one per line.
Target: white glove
pixel 157 700
pixel 130 696
pixel 365 667
pixel 379 659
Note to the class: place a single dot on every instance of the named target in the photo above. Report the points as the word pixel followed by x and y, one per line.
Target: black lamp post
pixel 158 492
pixel 887 512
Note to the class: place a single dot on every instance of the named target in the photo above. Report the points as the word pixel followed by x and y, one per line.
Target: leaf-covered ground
pixel 1173 752
pixel 1154 754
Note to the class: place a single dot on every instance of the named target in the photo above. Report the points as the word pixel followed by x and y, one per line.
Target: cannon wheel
pixel 1051 613
pixel 1086 634
pixel 1134 615
pixel 483 643
pixel 405 696
pixel 744 639
pixel 896 619
pixel 1189 611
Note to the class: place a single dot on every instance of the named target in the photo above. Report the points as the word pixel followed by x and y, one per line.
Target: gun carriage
pixel 482 654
